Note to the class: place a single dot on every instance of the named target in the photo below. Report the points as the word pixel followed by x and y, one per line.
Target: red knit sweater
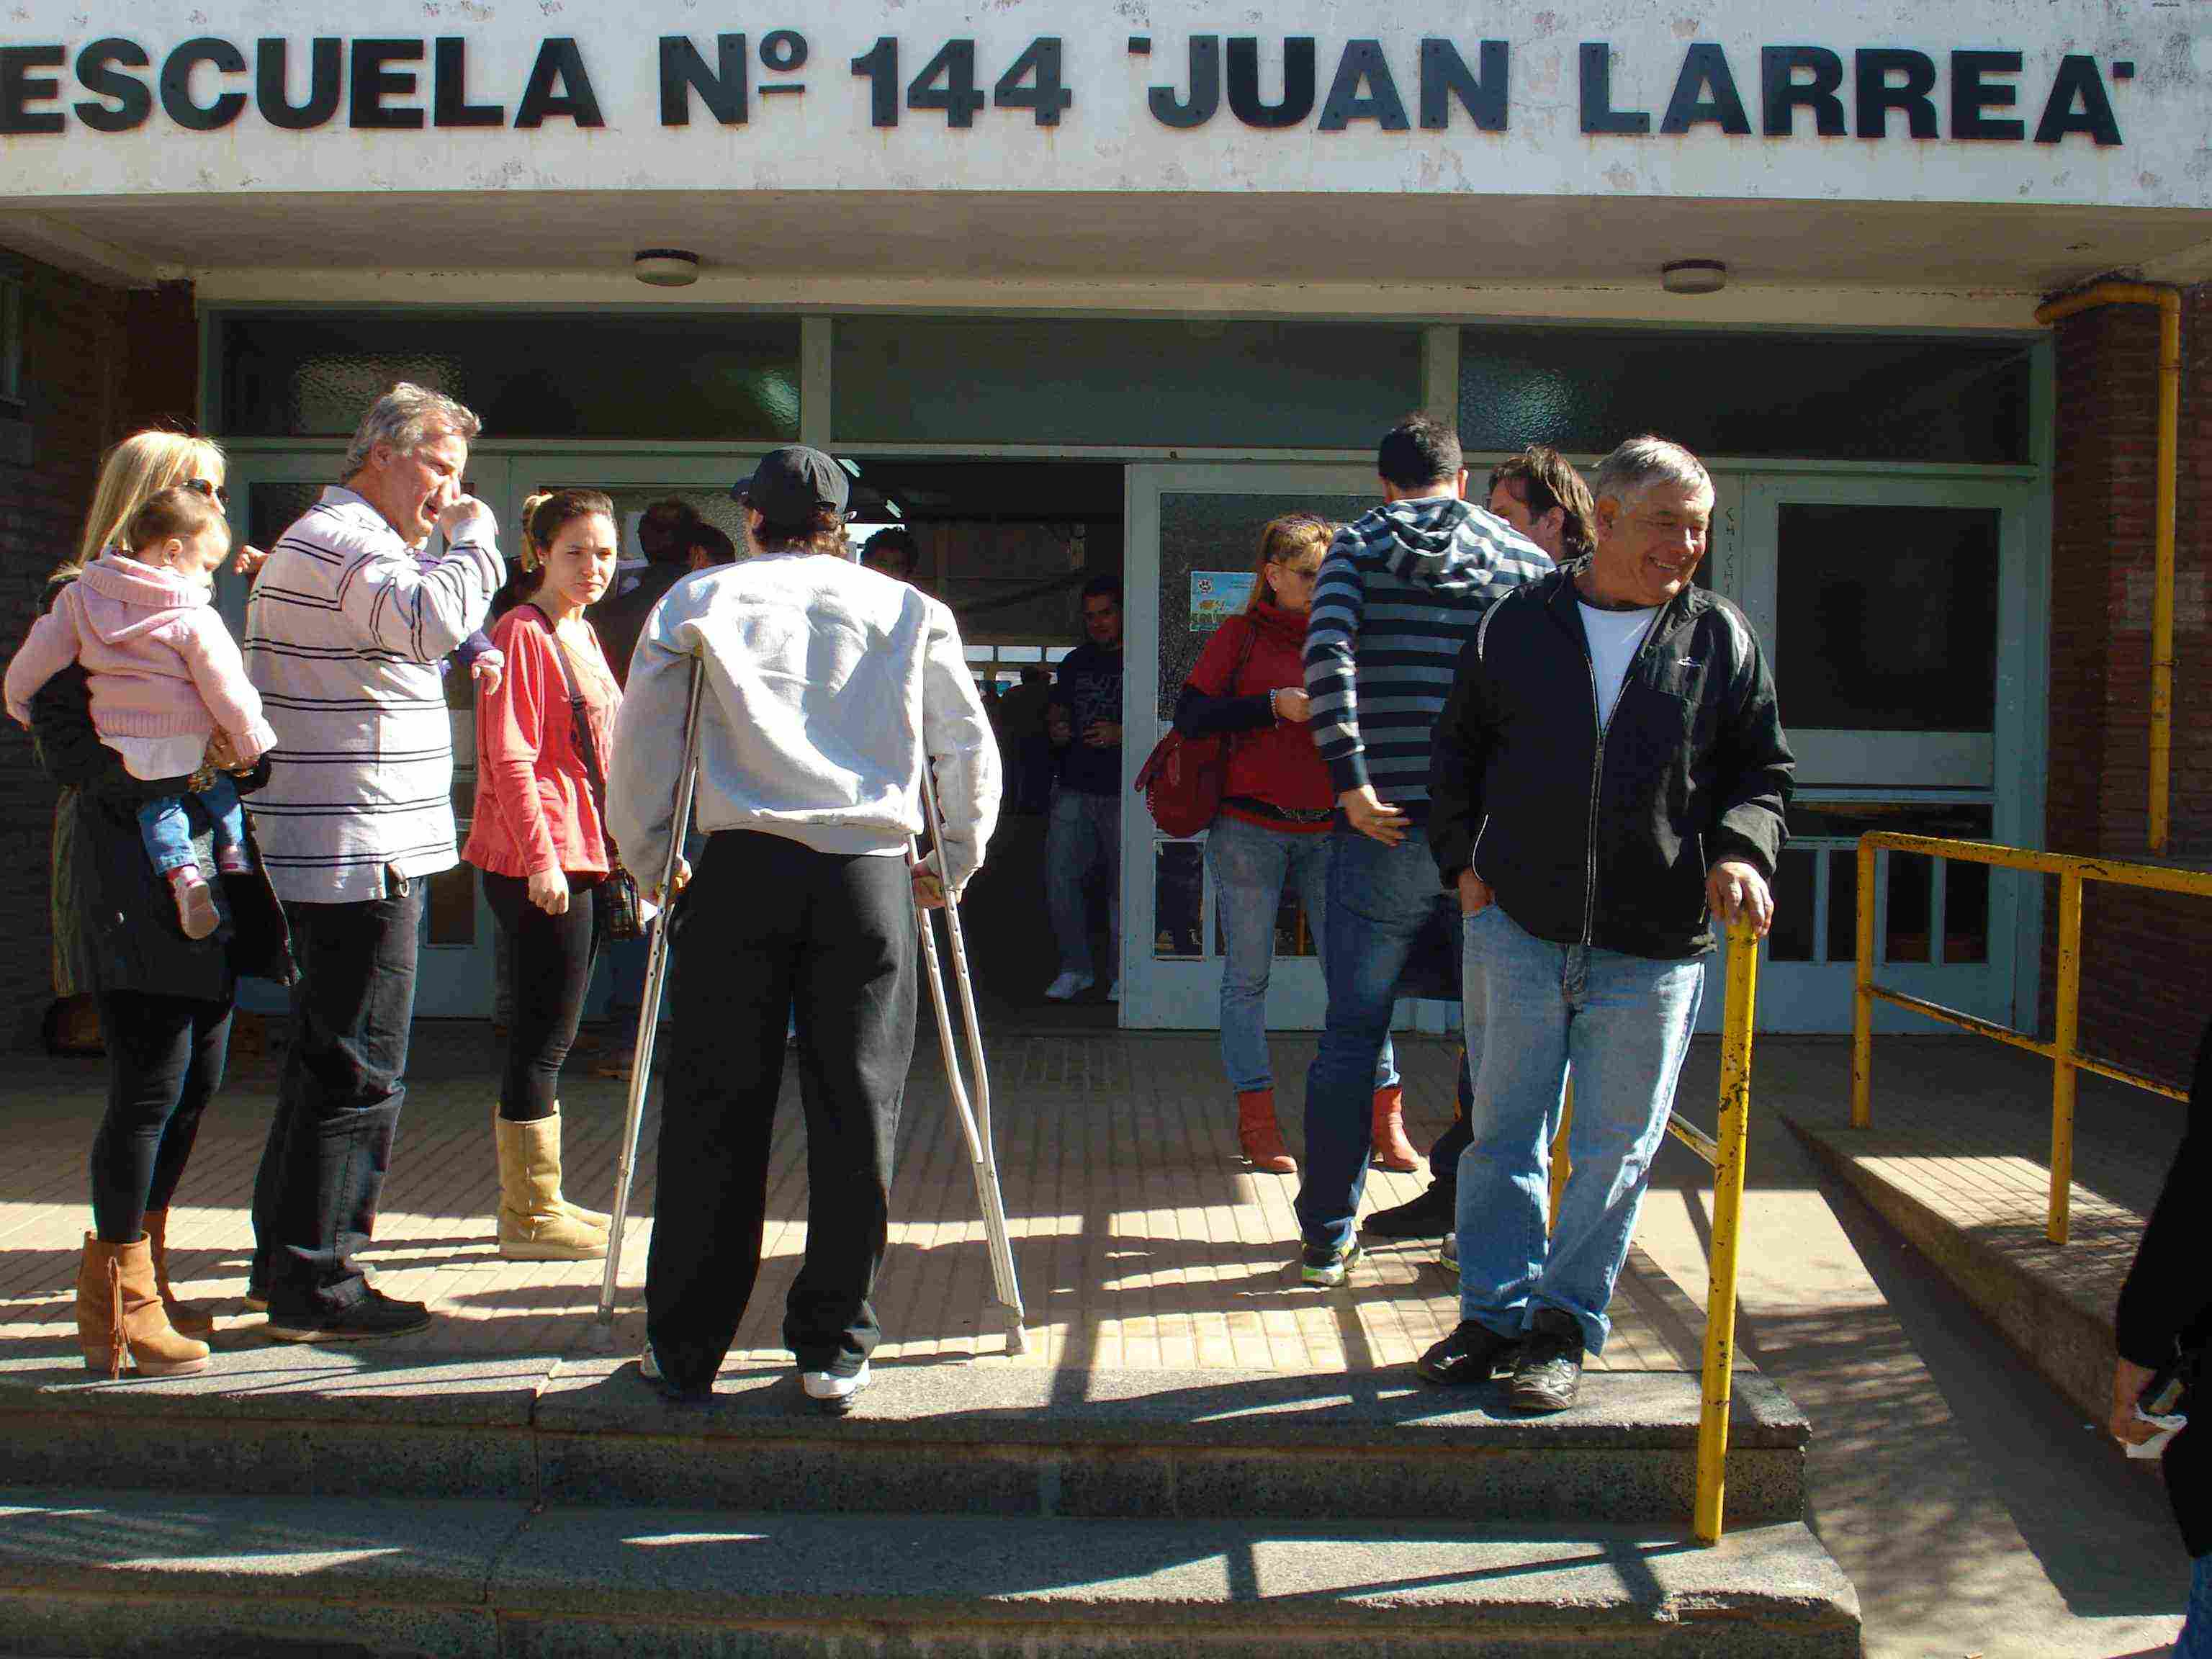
pixel 534 809
pixel 1276 763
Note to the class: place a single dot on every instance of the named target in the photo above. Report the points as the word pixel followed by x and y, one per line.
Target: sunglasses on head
pixel 214 492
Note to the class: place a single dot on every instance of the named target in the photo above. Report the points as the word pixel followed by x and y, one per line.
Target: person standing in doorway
pixel 540 840
pixel 1401 591
pixel 1248 687
pixel 1589 855
pixel 827 689
pixel 346 635
pixel 1540 495
pixel 1083 838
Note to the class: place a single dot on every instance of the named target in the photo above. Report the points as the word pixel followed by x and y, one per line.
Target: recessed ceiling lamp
pixel 1694 277
pixel 665 267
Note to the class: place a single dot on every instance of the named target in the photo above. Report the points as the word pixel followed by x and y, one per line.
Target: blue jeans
pixel 2196 1641
pixel 1379 900
pixel 1250 864
pixel 167 824
pixel 1082 837
pixel 1624 1023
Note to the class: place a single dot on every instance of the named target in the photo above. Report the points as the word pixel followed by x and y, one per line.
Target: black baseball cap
pixel 791 484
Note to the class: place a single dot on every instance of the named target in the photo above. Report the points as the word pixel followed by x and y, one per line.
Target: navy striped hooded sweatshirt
pixel 1400 595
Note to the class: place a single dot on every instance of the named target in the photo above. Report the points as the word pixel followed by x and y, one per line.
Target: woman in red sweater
pixel 1274 824
pixel 540 840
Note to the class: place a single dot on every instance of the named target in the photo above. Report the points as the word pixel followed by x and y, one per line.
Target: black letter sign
pixel 1444 77
pixel 1297 82
pixel 374 80
pixel 1204 87
pixel 1781 93
pixel 177 85
pixel 1364 65
pixel 1598 113
pixel 561 65
pixel 1971 94
pixel 95 72
pixel 684 71
pixel 2077 79
pixel 1877 96
pixel 449 89
pixel 1705 66
pixel 270 68
pixel 20 89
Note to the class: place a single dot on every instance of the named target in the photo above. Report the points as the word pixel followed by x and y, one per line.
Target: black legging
pixel 549 970
pixel 165 1061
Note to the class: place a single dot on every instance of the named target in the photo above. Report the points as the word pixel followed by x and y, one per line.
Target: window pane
pixel 1887 617
pixel 1911 894
pixel 1791 937
pixel 1965 911
pixel 929 380
pixel 1843 906
pixel 1179 901
pixel 709 375
pixel 1819 398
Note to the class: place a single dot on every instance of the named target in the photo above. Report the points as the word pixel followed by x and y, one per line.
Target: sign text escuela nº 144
pixel 117 84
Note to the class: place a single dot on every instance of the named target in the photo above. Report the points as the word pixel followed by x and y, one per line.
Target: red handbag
pixel 1182 779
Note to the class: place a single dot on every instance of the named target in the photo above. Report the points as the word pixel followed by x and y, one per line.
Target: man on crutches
pixel 827 689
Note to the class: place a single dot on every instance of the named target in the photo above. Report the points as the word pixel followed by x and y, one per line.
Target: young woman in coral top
pixel 541 843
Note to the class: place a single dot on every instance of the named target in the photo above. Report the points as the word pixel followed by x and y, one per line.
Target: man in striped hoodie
pixel 1400 593
pixel 344 636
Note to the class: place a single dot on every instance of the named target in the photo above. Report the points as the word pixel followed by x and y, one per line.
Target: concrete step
pixel 951 1439
pixel 111 1575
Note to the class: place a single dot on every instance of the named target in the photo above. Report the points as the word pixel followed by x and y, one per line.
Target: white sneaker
pixel 834 1393
pixel 1069 984
pixel 1114 992
pixel 1448 1252
pixel 649 1365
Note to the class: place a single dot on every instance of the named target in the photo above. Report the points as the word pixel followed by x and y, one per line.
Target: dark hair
pixel 1034 676
pixel 545 513
pixel 897 540
pixel 180 511
pixel 715 543
pixel 1543 479
pixel 668 530
pixel 822 533
pixel 1419 450
pixel 1110 587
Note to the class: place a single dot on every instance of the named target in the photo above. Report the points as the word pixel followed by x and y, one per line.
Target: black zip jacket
pixel 1604 838
pixel 2166 1306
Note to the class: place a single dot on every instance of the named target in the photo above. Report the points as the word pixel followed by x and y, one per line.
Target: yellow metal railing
pixel 2074 874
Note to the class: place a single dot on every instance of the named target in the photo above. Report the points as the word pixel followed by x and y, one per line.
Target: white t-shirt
pixel 154 758
pixel 1614 637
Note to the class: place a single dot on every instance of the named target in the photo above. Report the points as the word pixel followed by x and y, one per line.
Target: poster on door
pixel 1216 595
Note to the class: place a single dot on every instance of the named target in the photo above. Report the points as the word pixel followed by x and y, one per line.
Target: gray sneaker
pixel 1328 1268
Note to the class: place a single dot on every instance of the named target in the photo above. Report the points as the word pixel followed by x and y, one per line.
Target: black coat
pixel 126 916
pixel 2166 1306
pixel 1605 838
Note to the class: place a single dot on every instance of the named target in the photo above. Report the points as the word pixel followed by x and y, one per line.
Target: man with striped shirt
pixel 1400 593
pixel 345 634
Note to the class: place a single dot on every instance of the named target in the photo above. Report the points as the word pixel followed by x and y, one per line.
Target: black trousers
pixel 1443 1156
pixel 337 1104
pixel 165 1061
pixel 769 928
pixel 549 967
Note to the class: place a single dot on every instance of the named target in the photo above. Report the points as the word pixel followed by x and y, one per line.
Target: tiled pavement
pixel 1141 1240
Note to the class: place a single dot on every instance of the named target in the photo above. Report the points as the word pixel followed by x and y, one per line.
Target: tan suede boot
pixel 1260 1136
pixel 1392 1150
pixel 532 1225
pixel 119 1318
pixel 187 1318
pixel 599 1218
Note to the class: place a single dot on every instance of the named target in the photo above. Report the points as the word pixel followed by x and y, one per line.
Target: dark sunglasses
pixel 214 492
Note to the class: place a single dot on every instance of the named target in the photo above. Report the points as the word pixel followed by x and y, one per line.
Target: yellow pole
pixel 1728 1211
pixel 1862 998
pixel 1562 1166
pixel 2168 301
pixel 2063 1074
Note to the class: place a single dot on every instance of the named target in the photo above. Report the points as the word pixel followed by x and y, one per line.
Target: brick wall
pixel 98 362
pixel 2146 972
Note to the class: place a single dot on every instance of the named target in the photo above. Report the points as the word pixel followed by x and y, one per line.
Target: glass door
pixel 1900 626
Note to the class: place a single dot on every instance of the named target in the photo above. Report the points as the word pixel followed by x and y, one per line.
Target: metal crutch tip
pixel 1017 1340
pixel 600 1336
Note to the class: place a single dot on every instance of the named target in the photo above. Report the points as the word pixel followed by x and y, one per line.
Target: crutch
pixel 602 1333
pixel 975 1121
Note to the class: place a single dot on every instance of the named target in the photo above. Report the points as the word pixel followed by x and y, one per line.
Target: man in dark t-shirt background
pixel 1084 836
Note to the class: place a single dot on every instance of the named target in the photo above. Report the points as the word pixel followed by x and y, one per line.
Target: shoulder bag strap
pixel 587 747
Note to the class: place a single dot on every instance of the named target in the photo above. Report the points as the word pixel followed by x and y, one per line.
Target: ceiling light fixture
pixel 1694 277
pixel 665 267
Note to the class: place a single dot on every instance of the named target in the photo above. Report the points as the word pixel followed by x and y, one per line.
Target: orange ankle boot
pixel 1260 1136
pixel 187 1318
pixel 1392 1150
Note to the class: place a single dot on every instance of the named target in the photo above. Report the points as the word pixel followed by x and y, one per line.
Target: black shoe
pixel 1429 1216
pixel 1472 1353
pixel 375 1316
pixel 1550 1366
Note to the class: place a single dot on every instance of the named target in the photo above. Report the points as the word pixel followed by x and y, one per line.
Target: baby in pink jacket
pixel 165 677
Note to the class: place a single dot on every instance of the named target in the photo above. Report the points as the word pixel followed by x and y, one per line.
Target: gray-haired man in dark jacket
pixel 1588 852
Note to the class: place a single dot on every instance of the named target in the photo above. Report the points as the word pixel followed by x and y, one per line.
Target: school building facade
pixel 1085 289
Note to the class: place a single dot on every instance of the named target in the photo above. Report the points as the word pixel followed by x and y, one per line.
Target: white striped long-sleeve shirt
pixel 344 635
pixel 1399 595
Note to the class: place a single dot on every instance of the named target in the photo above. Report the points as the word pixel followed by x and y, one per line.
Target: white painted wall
pixel 1109 140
